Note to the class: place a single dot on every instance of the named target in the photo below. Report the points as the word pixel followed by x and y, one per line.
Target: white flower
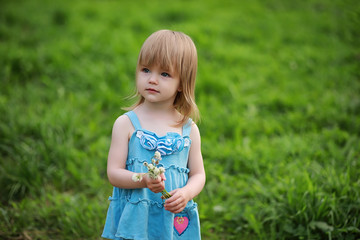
pixel 156 171
pixel 157 155
pixel 137 177
pixel 151 167
pixel 161 169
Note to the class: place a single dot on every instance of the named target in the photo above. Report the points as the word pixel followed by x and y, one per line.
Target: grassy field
pixel 278 89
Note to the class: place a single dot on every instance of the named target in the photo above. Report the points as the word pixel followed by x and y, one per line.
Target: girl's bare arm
pixel 196 181
pixel 117 174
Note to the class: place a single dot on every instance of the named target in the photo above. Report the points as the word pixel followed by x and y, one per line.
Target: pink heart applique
pixel 181 224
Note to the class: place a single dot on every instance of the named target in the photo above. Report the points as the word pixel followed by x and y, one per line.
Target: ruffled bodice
pixel 166 145
pixel 139 213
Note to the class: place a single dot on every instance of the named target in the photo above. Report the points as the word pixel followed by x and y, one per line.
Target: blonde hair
pixel 174 51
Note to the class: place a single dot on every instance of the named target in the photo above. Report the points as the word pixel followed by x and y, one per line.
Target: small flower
pixel 151 167
pixel 157 155
pixel 137 177
pixel 152 175
pixel 162 170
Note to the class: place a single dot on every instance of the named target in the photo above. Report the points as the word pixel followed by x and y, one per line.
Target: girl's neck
pixel 156 108
pixel 158 119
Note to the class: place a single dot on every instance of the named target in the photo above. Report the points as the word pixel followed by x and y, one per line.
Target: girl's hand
pixel 177 202
pixel 155 185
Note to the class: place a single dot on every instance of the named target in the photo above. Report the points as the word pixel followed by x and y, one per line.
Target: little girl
pixel 159 122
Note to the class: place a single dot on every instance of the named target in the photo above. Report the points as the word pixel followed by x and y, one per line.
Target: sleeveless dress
pixel 139 213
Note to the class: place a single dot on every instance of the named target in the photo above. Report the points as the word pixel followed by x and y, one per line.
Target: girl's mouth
pixel 152 90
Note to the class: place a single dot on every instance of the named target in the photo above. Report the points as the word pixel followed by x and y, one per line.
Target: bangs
pixel 173 52
pixel 161 49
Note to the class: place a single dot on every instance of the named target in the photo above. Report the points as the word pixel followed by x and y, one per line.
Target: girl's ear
pixel 180 88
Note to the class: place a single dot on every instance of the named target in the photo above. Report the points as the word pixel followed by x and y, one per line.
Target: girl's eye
pixel 164 74
pixel 145 70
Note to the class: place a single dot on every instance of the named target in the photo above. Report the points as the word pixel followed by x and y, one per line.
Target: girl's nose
pixel 153 79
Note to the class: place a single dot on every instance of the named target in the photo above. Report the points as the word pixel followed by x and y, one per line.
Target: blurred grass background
pixel 278 88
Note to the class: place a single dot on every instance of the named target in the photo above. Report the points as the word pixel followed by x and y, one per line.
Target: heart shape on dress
pixel 180 224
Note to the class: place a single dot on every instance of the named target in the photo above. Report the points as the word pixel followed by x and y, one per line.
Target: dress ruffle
pixel 135 219
pixel 176 177
pixel 166 145
pixel 130 164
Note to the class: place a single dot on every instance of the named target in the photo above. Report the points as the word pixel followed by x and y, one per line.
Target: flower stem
pixel 165 194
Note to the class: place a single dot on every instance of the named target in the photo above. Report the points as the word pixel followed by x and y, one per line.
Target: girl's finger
pixel 162 176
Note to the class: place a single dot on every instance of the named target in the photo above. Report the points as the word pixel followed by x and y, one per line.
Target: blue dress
pixel 139 213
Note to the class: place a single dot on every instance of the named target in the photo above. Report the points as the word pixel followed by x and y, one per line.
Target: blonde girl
pixel 162 122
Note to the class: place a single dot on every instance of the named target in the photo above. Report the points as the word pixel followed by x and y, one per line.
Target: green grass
pixel 278 89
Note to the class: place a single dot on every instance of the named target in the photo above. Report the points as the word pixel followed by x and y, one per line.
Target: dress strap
pixel 187 128
pixel 134 120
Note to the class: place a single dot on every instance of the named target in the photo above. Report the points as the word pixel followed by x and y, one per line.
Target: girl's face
pixel 157 85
